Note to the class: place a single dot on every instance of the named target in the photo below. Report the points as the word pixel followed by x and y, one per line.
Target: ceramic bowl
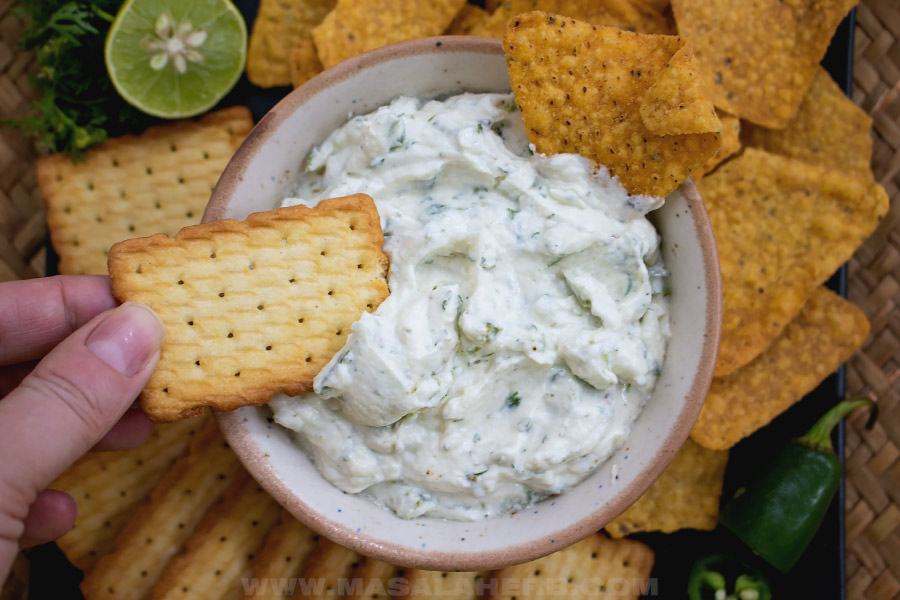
pixel 260 175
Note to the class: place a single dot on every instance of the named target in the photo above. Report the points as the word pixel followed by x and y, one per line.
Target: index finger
pixel 40 313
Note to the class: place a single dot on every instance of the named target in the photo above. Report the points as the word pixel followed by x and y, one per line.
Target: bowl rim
pixel 249 453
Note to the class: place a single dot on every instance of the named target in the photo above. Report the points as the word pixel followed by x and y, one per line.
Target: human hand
pixel 71 365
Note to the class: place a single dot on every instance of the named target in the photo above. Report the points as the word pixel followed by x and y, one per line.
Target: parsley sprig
pixel 78 105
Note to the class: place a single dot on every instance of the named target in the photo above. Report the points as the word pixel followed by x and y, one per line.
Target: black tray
pixel 819 574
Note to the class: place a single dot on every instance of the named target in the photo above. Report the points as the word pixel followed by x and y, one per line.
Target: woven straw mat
pixel 873 457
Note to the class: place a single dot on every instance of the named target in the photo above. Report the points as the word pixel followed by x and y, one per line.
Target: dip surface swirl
pixel 526 326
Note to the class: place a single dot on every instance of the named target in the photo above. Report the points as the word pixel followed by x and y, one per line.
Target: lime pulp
pixel 176 58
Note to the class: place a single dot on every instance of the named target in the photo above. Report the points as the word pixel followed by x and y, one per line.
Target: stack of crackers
pixel 179 517
pixel 738 101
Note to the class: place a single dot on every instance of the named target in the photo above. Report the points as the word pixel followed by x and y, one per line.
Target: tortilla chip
pixel 357 26
pixel 305 63
pixel 829 130
pixel 825 334
pixel 677 102
pixel 686 495
pixel 469 18
pixel 580 89
pixel 731 144
pixel 281 26
pixel 608 13
pixel 759 57
pixel 660 6
pixel 595 567
pixel 782 228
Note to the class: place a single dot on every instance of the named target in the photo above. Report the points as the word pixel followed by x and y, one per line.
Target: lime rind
pixel 134 41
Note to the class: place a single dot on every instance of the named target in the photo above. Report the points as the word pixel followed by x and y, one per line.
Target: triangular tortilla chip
pixel 782 228
pixel 357 26
pixel 759 57
pixel 686 495
pixel 829 130
pixel 677 102
pixel 580 89
pixel 825 334
pixel 731 143
pixel 609 13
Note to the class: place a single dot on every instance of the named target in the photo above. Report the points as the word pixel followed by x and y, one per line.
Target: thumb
pixel 74 396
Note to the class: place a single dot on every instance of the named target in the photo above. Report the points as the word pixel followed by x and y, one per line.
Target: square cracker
pixel 623 14
pixel 110 487
pixel 829 130
pixel 759 57
pixel 252 308
pixel 611 95
pixel 686 495
pixel 595 567
pixel 279 27
pixel 782 228
pixel 131 186
pixel 452 585
pixel 217 556
pixel 285 549
pixel 825 334
pixel 357 26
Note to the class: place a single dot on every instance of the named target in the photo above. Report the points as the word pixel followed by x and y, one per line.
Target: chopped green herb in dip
pixel 526 325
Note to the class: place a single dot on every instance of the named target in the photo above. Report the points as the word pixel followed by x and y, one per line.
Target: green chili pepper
pixel 708 580
pixel 778 512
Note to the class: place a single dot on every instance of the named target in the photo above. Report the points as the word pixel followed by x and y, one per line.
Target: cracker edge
pixel 359 203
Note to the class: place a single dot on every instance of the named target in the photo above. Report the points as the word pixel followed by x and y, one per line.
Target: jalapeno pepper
pixel 710 576
pixel 778 512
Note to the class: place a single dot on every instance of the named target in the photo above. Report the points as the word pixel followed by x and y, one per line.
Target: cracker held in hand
pixel 825 334
pixel 829 130
pixel 759 57
pixel 252 308
pixel 782 228
pixel 616 97
pixel 280 26
pixel 686 495
pixel 357 26
pixel 595 567
pixel 131 186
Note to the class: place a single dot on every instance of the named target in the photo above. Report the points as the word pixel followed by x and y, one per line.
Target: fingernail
pixel 128 337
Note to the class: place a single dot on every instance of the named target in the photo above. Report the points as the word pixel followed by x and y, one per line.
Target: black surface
pixel 820 573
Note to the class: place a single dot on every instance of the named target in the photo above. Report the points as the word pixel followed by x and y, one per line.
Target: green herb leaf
pixel 78 105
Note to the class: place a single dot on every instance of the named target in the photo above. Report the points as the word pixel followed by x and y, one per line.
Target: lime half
pixel 176 58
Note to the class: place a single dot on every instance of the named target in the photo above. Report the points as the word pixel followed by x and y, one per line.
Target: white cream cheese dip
pixel 527 321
